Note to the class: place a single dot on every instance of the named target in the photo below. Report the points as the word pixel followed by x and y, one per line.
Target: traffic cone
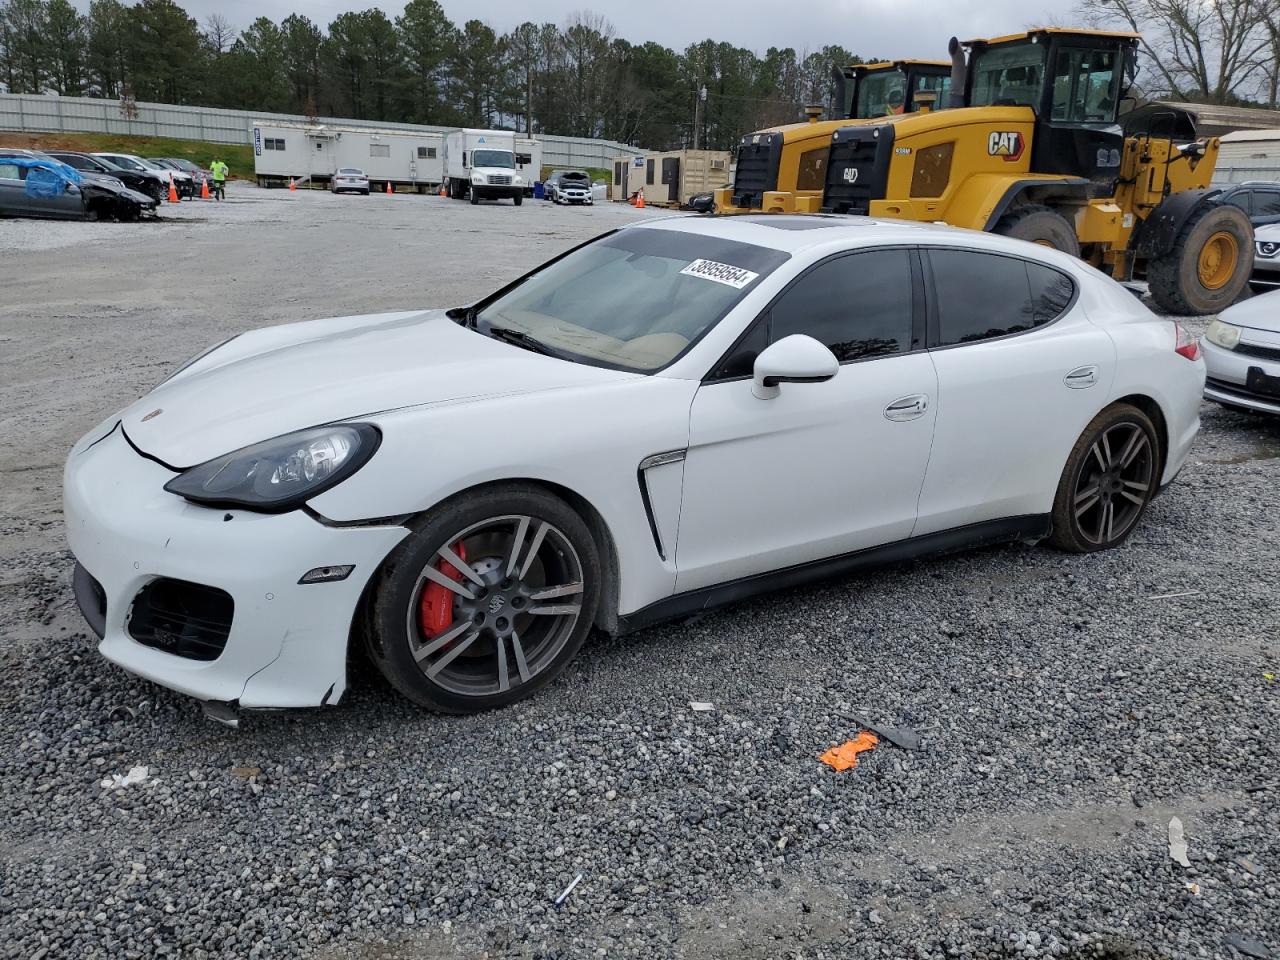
pixel 173 191
pixel 204 189
pixel 443 192
pixel 293 186
pixel 639 199
pixel 389 190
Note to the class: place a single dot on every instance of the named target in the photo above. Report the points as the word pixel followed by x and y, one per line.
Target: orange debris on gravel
pixel 845 756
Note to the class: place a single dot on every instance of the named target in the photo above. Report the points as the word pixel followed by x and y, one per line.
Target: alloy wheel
pixel 495 605
pixel 1114 483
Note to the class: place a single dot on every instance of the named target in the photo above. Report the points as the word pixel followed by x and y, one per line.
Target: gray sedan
pixel 349 180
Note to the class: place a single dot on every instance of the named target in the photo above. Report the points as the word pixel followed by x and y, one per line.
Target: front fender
pixel 1156 235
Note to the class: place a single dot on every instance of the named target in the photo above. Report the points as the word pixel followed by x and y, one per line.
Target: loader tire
pixel 1209 264
pixel 1039 224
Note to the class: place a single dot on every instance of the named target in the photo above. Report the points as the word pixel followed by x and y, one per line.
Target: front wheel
pixel 1110 477
pixel 1209 264
pixel 1038 224
pixel 518 198
pixel 486 602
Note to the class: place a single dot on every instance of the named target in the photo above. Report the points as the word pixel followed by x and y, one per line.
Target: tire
pixel 1197 277
pixel 1125 486
pixel 519 199
pixel 1037 223
pixel 474 199
pixel 552 546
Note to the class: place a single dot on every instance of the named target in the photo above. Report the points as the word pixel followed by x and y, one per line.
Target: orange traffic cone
pixel 389 190
pixel 443 192
pixel 204 189
pixel 173 191
pixel 639 199
pixel 293 186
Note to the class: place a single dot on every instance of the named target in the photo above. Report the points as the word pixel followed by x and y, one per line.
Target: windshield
pixel 881 93
pixel 125 163
pixel 493 158
pixel 635 299
pixel 1008 76
pixel 941 85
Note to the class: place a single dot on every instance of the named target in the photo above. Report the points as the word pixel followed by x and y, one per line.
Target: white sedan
pixel 1242 355
pixel 675 415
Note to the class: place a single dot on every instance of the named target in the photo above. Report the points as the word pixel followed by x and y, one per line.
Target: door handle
pixel 907 408
pixel 1081 377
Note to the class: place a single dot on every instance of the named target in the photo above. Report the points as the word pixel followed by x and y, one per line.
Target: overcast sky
pixel 884 28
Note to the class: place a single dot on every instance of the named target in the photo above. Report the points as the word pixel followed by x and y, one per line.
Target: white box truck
pixel 481 165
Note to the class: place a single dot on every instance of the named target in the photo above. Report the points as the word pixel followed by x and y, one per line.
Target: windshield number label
pixel 725 273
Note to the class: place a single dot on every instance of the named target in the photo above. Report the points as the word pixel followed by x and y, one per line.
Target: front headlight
pixel 477 178
pixel 1268 248
pixel 1223 335
pixel 517 180
pixel 280 474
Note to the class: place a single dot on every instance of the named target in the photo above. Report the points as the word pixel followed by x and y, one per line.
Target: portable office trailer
pixel 1248 155
pixel 671 178
pixel 312 152
pixel 529 162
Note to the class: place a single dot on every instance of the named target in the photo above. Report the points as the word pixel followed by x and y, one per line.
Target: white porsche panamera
pixel 672 416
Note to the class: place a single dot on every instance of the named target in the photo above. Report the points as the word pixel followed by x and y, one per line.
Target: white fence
pixel 34 113
pixel 1236 174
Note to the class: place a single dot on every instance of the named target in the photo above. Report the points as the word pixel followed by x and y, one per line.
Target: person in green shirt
pixel 219 171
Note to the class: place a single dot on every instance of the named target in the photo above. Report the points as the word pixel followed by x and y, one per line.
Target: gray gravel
pixel 1068 706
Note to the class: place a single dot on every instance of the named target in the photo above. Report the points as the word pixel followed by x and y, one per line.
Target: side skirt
pixel 1030 527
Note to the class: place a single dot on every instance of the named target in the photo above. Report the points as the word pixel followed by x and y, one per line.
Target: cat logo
pixel 1007 144
pixel 850 175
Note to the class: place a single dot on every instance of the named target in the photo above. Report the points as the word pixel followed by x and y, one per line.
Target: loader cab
pixel 1073 81
pixel 891 88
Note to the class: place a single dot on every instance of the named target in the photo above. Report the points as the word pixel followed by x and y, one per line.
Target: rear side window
pixel 858 305
pixel 1240 199
pixel 981 296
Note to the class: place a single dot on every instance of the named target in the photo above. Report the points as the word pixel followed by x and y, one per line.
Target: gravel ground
pixel 1068 707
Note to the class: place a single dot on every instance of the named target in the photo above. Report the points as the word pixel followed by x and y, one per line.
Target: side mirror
pixel 794 359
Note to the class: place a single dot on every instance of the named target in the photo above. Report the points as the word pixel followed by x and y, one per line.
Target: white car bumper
pixel 1229 370
pixel 286 644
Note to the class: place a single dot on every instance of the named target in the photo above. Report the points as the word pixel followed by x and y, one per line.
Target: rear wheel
pixel 1042 225
pixel 1209 264
pixel 1109 479
pixel 486 602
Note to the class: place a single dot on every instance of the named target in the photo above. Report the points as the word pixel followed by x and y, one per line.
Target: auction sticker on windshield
pixel 724 273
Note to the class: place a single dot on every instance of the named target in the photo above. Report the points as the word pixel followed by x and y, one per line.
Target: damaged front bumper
pixel 205 601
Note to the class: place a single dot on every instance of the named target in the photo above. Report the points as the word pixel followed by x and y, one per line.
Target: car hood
pixel 280 379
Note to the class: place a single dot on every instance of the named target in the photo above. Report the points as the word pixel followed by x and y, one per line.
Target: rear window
pixel 351 172
pixel 981 296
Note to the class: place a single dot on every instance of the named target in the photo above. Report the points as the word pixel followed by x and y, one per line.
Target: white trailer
pixel 481 165
pixel 529 162
pixel 312 152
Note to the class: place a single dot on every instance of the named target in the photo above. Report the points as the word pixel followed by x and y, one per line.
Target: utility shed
pixel 312 152
pixel 1248 155
pixel 669 178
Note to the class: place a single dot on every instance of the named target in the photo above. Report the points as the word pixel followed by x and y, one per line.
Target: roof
pixel 798 233
pixel 1248 136
pixel 1216 120
pixel 899 64
pixel 1068 31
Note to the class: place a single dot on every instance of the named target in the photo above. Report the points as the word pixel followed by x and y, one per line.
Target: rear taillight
pixel 1186 344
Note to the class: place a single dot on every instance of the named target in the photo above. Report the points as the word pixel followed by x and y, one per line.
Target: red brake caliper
pixel 437 601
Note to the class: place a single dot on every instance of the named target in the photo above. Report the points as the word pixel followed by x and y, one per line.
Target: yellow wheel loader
pixel 1034 150
pixel 782 169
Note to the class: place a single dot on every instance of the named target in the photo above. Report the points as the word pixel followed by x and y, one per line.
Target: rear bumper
pixel 286 645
